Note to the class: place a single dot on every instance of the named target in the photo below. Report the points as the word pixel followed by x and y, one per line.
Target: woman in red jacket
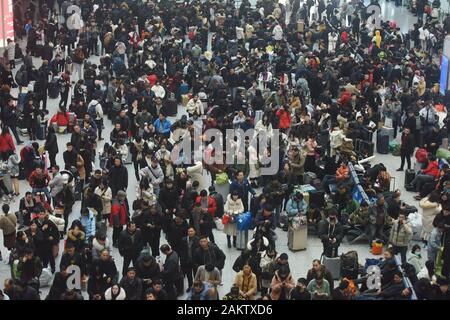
pixel 119 215
pixel 207 203
pixel 284 119
pixel 6 143
pixel 429 174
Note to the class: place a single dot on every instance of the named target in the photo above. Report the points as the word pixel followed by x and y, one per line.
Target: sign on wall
pixel 6 22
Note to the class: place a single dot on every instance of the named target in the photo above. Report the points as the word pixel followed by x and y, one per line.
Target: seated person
pixel 351 206
pixel 395 204
pixel 360 217
pixel 394 290
pixel 429 174
pixel 313 214
pixel 383 181
pixel 319 288
pixel 342 174
pixel 296 205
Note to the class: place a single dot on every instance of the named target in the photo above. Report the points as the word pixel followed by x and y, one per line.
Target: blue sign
pixel 444 75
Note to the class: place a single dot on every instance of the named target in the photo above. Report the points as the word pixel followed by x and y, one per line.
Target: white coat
pixel 429 211
pixel 232 208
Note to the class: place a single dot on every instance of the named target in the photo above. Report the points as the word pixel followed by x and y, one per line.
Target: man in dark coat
pixel 118 177
pixel 407 147
pixel 209 253
pixel 171 271
pixel 130 245
pixel 132 285
pixel 331 233
pixel 189 245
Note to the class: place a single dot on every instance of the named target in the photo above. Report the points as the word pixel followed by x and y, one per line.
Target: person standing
pixel 118 177
pixel 407 147
pixel 51 145
pixel 130 246
pixel 8 223
pixel 11 53
pixel 119 215
pixel 170 271
pixel 191 243
pixel 400 236
pixel 243 187
pixel 331 233
pixel 233 207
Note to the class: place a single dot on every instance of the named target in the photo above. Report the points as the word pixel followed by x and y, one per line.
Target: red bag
pixel 225 219
pixel 421 155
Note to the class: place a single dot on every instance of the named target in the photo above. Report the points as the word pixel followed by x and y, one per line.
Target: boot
pixel 229 241
pixel 234 241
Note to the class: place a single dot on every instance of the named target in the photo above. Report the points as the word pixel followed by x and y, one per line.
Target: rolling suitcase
pixel 383 142
pixel 410 174
pixel 242 239
pixel 333 265
pixel 297 239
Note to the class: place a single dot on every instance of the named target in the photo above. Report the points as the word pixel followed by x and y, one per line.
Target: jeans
pixel 420 180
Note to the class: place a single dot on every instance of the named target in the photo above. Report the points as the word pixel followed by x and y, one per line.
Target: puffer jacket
pixel 432 169
pixel 429 211
pixel 294 207
pixel 400 235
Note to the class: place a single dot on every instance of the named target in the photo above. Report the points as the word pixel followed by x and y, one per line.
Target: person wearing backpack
pixel 95 110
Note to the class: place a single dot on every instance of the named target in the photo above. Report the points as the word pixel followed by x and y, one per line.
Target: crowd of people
pixel 320 72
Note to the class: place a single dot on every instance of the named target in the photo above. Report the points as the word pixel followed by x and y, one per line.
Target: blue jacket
pixel 294 207
pixel 162 127
pixel 88 223
pixel 242 189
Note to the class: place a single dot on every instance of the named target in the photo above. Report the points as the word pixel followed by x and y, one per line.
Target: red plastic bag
pixel 421 155
pixel 225 219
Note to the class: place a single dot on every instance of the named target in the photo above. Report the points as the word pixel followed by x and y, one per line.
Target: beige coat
pixel 429 211
pixel 106 196
pixel 232 208
pixel 8 223
pixel 400 238
pixel 80 167
pixel 251 287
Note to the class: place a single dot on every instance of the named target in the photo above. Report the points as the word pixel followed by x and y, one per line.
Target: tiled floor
pixel 300 262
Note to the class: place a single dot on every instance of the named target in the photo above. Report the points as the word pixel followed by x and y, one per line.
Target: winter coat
pixel 417 262
pixel 118 209
pixel 400 236
pixel 122 295
pixel 429 211
pixel 432 169
pixel 88 222
pixel 277 285
pixel 212 255
pixel 233 209
pixel 106 196
pixel 8 224
pixel 6 143
pixel 155 175
pixel 118 179
pixel 56 185
pixel 81 167
pixel 97 248
pixel 132 288
pixel 195 173
pixel 251 286
pixel 294 207
pixel 129 246
pixel 13 165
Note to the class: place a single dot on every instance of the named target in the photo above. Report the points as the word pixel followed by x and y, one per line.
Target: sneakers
pixel 400 169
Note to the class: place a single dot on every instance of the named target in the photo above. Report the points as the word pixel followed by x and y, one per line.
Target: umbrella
pixel 73 8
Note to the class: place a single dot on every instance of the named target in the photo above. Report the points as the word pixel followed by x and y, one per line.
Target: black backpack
pixel 22 77
pixel 349 265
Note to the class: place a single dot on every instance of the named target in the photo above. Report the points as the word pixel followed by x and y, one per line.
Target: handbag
pixel 225 219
